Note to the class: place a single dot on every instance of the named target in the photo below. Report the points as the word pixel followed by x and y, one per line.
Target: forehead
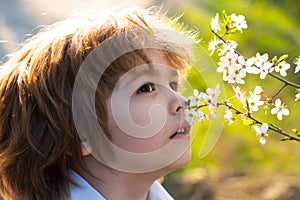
pixel 150 56
pixel 155 59
pixel 157 56
pixel 154 70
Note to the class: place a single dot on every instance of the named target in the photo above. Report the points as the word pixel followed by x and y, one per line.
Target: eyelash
pixel 150 87
pixel 146 88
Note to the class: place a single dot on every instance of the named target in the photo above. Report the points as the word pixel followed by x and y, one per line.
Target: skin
pixel 150 103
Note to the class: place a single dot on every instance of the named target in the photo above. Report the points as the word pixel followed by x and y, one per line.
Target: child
pixel 89 109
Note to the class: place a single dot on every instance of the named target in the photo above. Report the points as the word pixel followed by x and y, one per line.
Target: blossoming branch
pixel 234 67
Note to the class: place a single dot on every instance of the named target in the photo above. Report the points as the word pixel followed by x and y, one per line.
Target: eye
pixel 174 85
pixel 146 88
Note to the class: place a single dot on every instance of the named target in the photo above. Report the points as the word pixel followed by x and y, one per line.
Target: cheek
pixel 134 144
pixel 139 112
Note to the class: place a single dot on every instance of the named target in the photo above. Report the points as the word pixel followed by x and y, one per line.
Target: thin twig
pixel 277 93
pixel 258 122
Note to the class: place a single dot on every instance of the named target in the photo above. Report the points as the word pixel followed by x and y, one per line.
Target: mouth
pixel 182 132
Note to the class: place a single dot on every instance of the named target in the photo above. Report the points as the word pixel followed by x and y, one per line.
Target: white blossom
pixel 194 101
pixel 258 90
pixel 236 73
pixel 297 97
pixel 214 24
pixel 201 116
pixel 239 94
pixel 226 62
pixel 261 131
pixel 189 116
pixel 229 116
pixel 250 68
pixel 246 64
pixel 210 98
pixel 223 65
pixel 213 44
pixel 211 95
pixel 279 109
pixel 297 63
pixel 254 101
pixel 282 67
pixel 263 64
pixel 239 22
pixel 212 114
pixel 230 45
pixel 244 116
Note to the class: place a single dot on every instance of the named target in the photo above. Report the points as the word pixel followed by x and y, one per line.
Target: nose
pixel 177 103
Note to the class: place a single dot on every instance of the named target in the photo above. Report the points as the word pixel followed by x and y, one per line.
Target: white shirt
pixel 87 192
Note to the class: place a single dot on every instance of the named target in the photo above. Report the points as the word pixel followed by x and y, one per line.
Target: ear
pixel 85 149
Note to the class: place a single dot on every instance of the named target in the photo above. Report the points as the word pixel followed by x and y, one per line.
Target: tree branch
pixel 289 137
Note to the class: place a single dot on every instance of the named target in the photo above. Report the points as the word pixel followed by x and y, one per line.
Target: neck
pixel 115 185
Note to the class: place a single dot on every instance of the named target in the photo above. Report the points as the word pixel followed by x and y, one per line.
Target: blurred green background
pixel 239 167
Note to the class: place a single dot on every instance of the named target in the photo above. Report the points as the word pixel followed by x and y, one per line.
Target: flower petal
pixel 264 128
pixel 262 140
pixel 278 103
pixel 279 115
pixel 257 130
pixel 285 111
pixel 274 111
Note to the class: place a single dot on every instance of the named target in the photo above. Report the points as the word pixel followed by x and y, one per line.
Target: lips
pixel 181 132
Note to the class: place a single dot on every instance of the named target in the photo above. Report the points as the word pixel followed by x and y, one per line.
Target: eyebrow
pixel 150 70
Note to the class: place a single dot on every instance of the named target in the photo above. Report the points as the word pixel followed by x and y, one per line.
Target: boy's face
pixel 146 113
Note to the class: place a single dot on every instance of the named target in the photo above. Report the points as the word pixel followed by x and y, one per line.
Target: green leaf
pixel 296 132
pixel 266 108
pixel 232 30
pixel 248 122
pixel 224 14
pixel 274 59
pixel 283 57
pixel 247 104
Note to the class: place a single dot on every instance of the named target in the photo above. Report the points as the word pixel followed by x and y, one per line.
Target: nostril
pixel 179 107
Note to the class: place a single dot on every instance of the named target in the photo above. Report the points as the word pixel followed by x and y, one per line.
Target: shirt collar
pixel 86 191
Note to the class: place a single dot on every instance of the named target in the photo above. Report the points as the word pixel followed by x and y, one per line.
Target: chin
pixel 181 161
